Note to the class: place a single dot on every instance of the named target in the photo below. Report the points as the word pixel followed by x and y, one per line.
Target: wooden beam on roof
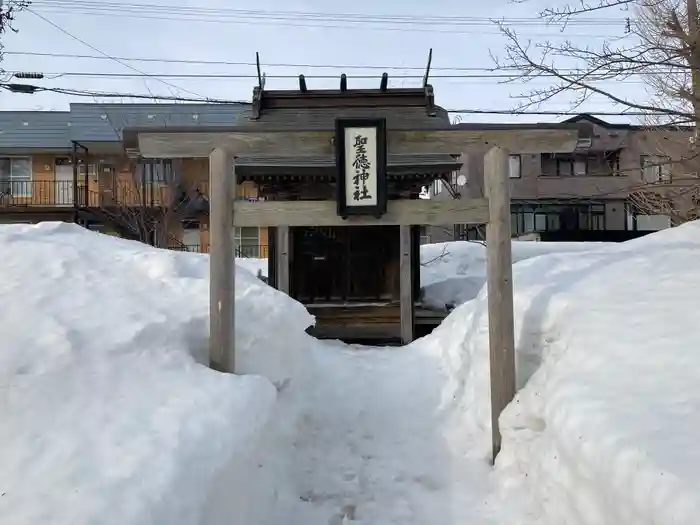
pixel 426 77
pixel 325 213
pixel 261 83
pixel 180 144
pixel 385 82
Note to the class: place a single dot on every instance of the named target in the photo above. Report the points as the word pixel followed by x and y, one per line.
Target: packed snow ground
pixel 110 419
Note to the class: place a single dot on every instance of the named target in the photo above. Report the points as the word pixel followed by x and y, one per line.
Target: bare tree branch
pixel 8 12
pixel 659 45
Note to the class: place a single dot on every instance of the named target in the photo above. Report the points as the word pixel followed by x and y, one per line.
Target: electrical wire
pixel 304 15
pixel 459 25
pixel 480 72
pixel 472 111
pixel 223 76
pixel 129 66
pixel 110 94
pixel 266 64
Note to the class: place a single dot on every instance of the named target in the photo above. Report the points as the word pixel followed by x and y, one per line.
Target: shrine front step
pixel 370 323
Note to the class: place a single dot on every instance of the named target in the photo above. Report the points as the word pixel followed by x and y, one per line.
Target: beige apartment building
pixel 572 180
pixel 72 166
pixel 576 182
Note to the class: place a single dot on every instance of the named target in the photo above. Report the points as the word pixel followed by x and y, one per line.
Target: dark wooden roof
pixel 403 108
pixel 323 119
pixel 397 165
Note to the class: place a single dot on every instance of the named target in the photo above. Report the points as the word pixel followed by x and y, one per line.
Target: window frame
pixel 511 159
pixel 571 163
pixel 238 238
pixel 661 164
pixel 26 183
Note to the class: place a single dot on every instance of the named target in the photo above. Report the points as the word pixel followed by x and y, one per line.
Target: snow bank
pixel 604 430
pixel 452 273
pixel 107 415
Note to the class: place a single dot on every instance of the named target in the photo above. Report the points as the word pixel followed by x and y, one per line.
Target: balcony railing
pixel 195 248
pixel 252 251
pixel 39 193
pixel 248 252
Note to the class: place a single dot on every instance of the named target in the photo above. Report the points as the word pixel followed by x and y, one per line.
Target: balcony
pixel 38 194
pixel 61 194
pixel 252 251
pixel 245 251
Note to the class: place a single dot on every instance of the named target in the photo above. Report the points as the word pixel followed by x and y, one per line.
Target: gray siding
pixel 54 130
pixel 105 122
pixel 42 130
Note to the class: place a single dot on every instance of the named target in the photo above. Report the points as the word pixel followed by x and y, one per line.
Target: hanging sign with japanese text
pixel 360 146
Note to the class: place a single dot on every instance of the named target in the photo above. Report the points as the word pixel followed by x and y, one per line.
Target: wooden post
pixel 406 284
pixel 222 261
pixel 500 288
pixel 282 254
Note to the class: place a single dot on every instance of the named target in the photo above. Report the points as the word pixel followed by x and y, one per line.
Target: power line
pixel 280 76
pixel 318 20
pixel 68 33
pixel 504 77
pixel 98 94
pixel 306 15
pixel 488 72
pixel 233 63
pixel 338 67
pixel 31 89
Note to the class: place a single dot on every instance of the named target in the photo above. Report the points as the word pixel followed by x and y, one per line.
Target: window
pixel 613 161
pixel 437 187
pixel 564 168
pixel 580 168
pixel 656 168
pixel 156 172
pixel 16 176
pixel 191 239
pixel 247 241
pixel 572 167
pixel 545 217
pixel 514 166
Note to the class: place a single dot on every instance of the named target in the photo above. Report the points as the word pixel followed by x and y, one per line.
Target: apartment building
pixel 580 186
pixel 71 166
pixel 571 180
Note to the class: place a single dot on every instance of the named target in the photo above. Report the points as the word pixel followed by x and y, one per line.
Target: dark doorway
pixel 344 264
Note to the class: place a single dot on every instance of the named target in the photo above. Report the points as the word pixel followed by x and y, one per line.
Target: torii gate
pixel 223 146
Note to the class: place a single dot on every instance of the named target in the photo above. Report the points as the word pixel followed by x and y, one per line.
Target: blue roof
pixel 55 130
pixel 45 130
pixel 105 122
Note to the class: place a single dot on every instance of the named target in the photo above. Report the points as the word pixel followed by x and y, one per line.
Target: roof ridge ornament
pixel 259 90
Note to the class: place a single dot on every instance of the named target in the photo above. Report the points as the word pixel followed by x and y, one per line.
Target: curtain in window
pixel 15 176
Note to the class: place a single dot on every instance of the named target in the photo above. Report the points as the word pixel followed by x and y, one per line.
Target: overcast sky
pixel 215 33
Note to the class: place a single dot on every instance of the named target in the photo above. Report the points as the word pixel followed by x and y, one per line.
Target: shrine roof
pixel 397 164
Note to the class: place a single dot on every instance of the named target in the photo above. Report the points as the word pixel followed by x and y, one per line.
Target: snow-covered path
pixel 364 448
